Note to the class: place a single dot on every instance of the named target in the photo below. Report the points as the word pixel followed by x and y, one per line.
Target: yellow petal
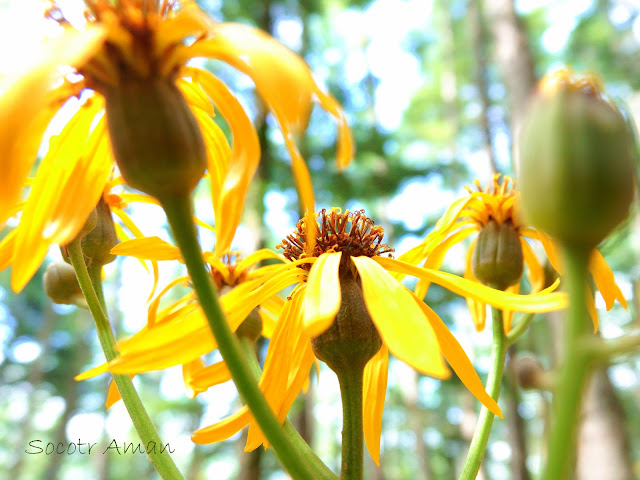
pixel 441 230
pixel 457 358
pixel 224 429
pixel 401 323
pixel 205 377
pixel 436 257
pixel 147 248
pixel 6 249
pixel 323 298
pixel 188 21
pixel 466 288
pixel 374 392
pixel 24 97
pixel 256 257
pixel 507 315
pixel 536 273
pixel 605 281
pixel 195 96
pixel 244 161
pixel 67 186
pixel 153 306
pixel 478 310
pixel 113 395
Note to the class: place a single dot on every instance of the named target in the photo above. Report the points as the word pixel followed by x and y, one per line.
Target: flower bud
pixel 61 285
pixel 577 155
pixel 497 259
pixel 155 137
pixel 251 327
pixel 352 339
pixel 97 245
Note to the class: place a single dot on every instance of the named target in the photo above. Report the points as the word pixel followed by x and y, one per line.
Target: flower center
pixel 497 202
pixel 132 46
pixel 354 234
pixel 229 279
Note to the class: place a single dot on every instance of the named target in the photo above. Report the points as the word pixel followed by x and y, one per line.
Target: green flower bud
pixel 155 137
pixel 251 327
pixel 352 340
pixel 97 245
pixel 577 163
pixel 61 285
pixel 497 258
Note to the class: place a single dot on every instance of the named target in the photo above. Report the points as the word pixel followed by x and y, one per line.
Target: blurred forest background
pixel 433 90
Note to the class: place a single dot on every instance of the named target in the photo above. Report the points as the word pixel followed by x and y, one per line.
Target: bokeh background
pixel 433 91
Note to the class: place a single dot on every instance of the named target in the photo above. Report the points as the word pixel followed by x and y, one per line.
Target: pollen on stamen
pixel 352 233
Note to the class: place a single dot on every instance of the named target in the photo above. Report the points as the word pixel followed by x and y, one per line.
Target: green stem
pixel 485 420
pixel 351 385
pixel 159 457
pixel 179 214
pixel 604 351
pixel 321 472
pixel 573 375
pixel 519 328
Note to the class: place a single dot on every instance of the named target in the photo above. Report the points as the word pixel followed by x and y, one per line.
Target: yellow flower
pixel 409 329
pixel 469 215
pixel 137 354
pixel 151 40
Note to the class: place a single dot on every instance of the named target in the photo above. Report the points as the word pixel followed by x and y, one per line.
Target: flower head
pixel 499 203
pixel 351 244
pixel 150 42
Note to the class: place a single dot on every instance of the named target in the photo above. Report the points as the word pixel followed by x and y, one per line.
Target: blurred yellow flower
pixel 150 40
pixel 228 273
pixel 469 215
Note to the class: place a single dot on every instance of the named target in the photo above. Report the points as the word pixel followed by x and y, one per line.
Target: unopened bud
pixel 155 137
pixel 61 285
pixel 497 257
pixel 352 339
pixel 577 155
pixel 97 245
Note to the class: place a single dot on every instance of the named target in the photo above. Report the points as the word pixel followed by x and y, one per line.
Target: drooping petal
pixel 209 376
pixel 478 310
pixel 223 429
pixel 440 231
pixel 244 161
pixel 401 323
pixel 466 288
pixel 189 370
pixel 457 358
pixel 113 395
pixel 147 248
pixel 507 315
pixel 374 392
pixel 256 257
pixel 69 182
pixel 436 257
pixel 323 298
pixel 23 99
pixel 6 249
pixel 605 281
pixel 536 273
pixel 152 311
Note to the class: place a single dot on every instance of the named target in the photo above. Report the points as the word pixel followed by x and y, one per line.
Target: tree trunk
pixel 479 41
pixel 603 446
pixel 513 54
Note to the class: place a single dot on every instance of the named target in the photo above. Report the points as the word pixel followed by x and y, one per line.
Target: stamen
pixel 362 238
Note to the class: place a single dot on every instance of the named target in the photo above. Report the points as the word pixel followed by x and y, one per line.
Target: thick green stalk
pixel 574 372
pixel 321 471
pixel 351 385
pixel 179 214
pixel 485 420
pixel 159 457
